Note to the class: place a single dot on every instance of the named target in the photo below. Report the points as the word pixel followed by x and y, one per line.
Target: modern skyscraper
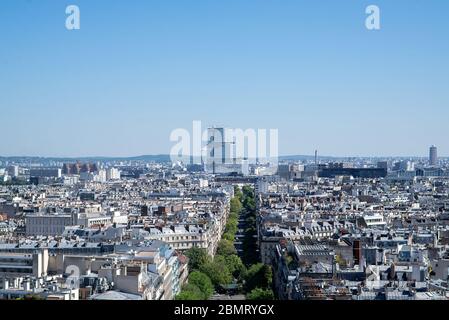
pixel 219 157
pixel 433 156
pixel 217 146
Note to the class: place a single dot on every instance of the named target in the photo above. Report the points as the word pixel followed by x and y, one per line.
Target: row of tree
pixel 258 277
pixel 249 244
pixel 226 267
pixel 207 273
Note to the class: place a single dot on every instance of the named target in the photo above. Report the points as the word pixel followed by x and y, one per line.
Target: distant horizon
pixel 168 155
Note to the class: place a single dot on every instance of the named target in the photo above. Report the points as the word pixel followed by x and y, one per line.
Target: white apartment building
pixel 55 224
pixel 23 264
pixel 112 174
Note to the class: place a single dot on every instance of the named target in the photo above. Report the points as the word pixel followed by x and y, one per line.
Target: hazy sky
pixel 139 69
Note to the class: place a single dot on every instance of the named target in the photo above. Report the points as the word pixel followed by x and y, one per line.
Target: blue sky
pixel 138 69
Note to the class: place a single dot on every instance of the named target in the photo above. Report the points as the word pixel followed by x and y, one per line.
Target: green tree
pixel 228 236
pixel 203 282
pixel 258 276
pixel 232 224
pixel 217 272
pixel 197 258
pixel 225 248
pixel 249 204
pixel 234 216
pixel 235 266
pixel 235 205
pixel 238 193
pixel 231 227
pixel 260 294
pixel 190 292
pixel 247 191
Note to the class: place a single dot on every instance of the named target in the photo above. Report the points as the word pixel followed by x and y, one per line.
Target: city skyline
pixel 244 156
pixel 311 155
pixel 132 74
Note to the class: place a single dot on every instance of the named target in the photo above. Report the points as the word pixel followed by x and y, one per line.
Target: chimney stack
pixel 5 284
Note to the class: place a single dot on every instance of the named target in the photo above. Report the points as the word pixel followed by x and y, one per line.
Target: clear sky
pixel 138 69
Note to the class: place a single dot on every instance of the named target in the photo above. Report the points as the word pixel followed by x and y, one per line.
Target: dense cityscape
pixel 145 228
pixel 224 159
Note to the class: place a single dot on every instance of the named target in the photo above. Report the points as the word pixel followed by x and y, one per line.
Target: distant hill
pixel 147 158
pixel 160 158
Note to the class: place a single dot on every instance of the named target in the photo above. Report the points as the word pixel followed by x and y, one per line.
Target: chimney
pixel 357 251
pixel 362 264
pixel 5 284
pixel 123 271
pixel 416 272
pixel 26 285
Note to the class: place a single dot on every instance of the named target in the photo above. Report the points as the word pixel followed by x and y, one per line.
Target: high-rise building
pixel 219 158
pixel 112 174
pixel 13 171
pixel 433 156
pixel 218 149
pixel 101 175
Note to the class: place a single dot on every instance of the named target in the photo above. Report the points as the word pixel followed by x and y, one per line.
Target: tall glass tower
pixel 433 156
